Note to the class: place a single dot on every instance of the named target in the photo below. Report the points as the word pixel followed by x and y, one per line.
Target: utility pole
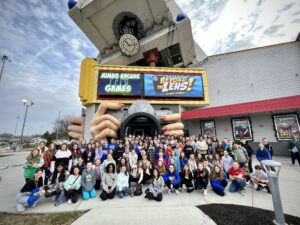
pixel 16 126
pixel 57 125
pixel 4 58
pixel 27 104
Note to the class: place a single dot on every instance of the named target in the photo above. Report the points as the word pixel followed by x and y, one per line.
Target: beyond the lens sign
pixel 148 85
pixel 164 85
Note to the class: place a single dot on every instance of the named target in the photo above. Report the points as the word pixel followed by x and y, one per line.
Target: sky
pixel 46 49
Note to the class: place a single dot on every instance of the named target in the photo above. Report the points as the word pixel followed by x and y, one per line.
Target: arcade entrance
pixel 140 124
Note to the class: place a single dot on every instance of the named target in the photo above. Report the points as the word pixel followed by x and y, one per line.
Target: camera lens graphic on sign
pixel 185 86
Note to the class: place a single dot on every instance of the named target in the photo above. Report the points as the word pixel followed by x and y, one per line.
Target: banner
pixel 173 86
pixel 120 84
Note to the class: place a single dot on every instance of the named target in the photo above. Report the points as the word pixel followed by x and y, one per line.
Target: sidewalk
pixel 289 181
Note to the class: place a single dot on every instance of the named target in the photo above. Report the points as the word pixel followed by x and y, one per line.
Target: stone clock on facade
pixel 129 45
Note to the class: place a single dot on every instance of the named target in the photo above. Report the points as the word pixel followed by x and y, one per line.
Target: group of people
pixel 126 167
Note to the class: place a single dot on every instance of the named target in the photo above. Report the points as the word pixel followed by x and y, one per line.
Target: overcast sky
pixel 46 49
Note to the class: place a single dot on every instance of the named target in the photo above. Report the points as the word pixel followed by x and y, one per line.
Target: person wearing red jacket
pixel 236 175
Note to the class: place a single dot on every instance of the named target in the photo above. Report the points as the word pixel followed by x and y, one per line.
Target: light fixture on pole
pixel 26 104
pixel 4 58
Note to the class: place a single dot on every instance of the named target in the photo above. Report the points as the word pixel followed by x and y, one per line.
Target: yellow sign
pixel 157 85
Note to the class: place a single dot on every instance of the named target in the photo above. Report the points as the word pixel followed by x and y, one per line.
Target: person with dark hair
pixel 72 186
pixel 201 178
pixel 109 182
pixel 172 179
pixel 156 187
pixel 188 149
pixel 182 161
pixel 118 153
pixel 186 178
pixel 88 181
pixel 123 162
pixel 56 187
pixel 218 180
pixel 89 154
pixel 123 182
pixel 42 147
pixel 63 155
pixel 250 152
pixel 260 178
pixel 76 153
pixel 239 154
pixel 47 156
pixel 294 148
pixel 236 175
pixel 97 169
pixel 30 192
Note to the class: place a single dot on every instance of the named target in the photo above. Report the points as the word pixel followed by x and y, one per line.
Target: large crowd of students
pixel 138 165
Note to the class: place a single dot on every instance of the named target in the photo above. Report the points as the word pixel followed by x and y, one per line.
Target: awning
pixel 269 105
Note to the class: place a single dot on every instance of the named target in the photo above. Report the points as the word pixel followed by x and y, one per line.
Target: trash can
pixel 273 168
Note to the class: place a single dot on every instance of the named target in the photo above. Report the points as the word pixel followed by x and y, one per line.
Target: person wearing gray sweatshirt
pixel 88 181
pixel 156 187
pixel 109 182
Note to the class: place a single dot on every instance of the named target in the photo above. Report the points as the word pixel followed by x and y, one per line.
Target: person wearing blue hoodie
pixel 218 180
pixel 172 179
pixel 262 153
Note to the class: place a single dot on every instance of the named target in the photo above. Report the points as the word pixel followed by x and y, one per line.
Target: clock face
pixel 129 45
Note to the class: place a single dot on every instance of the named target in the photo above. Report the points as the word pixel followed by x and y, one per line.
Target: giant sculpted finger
pixel 104 125
pixel 175 128
pixel 75 129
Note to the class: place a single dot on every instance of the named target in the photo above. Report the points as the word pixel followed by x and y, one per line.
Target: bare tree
pixel 61 126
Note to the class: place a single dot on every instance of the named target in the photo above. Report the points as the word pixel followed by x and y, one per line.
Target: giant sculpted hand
pixel 104 125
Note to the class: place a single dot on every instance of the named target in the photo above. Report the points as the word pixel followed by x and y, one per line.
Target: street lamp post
pixel 4 58
pixel 16 126
pixel 27 104
pixel 57 126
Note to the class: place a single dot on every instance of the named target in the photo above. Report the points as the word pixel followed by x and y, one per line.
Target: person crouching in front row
pixel 72 185
pixel 123 182
pixel 109 182
pixel 88 181
pixel 30 192
pixel 156 187
pixel 218 181
pixel 172 179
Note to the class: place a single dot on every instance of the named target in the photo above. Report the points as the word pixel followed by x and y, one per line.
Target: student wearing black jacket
pixel 186 177
pixel 188 149
pixel 56 187
pixel 201 178
pixel 30 192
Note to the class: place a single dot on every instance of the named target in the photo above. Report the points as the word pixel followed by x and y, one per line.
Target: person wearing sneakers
pixel 260 178
pixel 72 185
pixel 236 175
pixel 218 181
pixel 172 179
pixel 30 192
pixel 201 178
pixel 88 181
pixel 186 176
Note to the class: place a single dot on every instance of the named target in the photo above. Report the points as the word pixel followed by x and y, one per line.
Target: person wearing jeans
pixel 123 182
pixel 236 175
pixel 218 181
